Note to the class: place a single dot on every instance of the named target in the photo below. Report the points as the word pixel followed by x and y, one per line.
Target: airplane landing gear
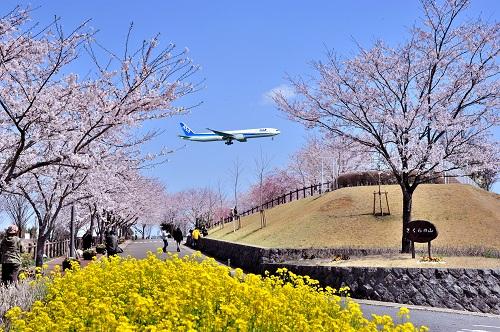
pixel 229 142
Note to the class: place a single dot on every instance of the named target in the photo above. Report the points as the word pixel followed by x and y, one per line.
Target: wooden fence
pixel 52 249
pixel 296 194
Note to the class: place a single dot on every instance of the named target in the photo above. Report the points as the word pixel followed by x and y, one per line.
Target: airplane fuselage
pixel 240 135
pixel 227 135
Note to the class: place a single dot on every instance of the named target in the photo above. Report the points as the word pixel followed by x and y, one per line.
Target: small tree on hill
pixel 485 178
pixel 426 106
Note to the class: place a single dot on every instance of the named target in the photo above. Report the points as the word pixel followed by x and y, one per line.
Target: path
pixel 140 248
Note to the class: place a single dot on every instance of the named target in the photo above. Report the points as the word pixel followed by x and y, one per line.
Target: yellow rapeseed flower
pixel 191 294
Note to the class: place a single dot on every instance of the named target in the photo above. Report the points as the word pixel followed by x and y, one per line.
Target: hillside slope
pixel 464 216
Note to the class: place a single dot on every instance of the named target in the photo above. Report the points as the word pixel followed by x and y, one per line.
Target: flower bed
pixel 187 295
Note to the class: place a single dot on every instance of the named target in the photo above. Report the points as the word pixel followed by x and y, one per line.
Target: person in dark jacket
pixel 10 250
pixel 111 243
pixel 178 237
pixel 87 240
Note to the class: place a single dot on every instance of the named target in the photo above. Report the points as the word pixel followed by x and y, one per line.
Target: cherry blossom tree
pixel 174 210
pixel 425 106
pixel 141 205
pixel 329 156
pixel 50 116
pixel 59 131
pixel 274 184
pixel 196 205
pixel 46 193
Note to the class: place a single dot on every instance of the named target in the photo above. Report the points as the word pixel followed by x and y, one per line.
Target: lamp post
pixel 72 232
pixel 322 170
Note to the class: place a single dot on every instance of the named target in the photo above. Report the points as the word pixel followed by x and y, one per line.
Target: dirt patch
pixel 335 204
pixel 405 261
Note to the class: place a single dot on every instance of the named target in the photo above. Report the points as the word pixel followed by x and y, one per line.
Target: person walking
pixel 111 243
pixel 164 237
pixel 87 240
pixel 178 237
pixel 10 250
pixel 196 237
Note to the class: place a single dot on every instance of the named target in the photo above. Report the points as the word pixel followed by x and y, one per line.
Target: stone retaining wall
pixel 463 289
pixel 248 258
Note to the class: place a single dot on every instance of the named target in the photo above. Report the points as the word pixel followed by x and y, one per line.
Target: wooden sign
pixel 421 231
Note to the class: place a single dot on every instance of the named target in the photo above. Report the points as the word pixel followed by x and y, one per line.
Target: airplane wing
pixel 228 137
pixel 222 133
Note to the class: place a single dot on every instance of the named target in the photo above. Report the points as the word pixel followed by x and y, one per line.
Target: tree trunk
pixel 143 231
pixel 92 221
pixel 40 249
pixel 407 203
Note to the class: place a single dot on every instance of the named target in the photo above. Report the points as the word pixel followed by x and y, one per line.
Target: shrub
pixel 100 248
pixel 27 260
pixel 185 294
pixel 21 295
pixel 89 254
pixel 70 263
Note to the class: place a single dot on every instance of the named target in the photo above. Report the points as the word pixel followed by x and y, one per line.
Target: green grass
pixel 464 216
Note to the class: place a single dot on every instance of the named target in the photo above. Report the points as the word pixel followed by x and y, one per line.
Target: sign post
pixel 420 231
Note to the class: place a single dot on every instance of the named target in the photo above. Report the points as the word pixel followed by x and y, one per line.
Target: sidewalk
pixel 59 260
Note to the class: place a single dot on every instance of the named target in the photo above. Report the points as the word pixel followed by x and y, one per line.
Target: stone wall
pixel 248 258
pixel 463 289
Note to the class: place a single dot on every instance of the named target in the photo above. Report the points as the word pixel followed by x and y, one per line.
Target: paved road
pixel 139 249
pixel 441 320
pixel 436 319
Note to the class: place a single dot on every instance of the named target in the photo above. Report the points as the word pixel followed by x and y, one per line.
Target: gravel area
pixel 405 260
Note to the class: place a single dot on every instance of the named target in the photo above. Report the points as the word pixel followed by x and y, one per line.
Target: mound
pixel 464 216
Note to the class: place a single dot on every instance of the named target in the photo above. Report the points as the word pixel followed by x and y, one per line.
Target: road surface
pixel 441 320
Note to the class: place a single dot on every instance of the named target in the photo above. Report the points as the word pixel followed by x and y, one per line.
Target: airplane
pixel 227 135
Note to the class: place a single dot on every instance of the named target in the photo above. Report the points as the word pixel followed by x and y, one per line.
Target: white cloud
pixel 286 90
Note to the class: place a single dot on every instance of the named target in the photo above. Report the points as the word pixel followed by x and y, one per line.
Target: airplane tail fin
pixel 187 131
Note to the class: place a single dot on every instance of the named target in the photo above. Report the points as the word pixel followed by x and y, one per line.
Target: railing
pixel 299 193
pixel 296 194
pixel 458 177
pixel 51 249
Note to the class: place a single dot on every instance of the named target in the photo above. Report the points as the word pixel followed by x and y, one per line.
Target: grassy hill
pixel 464 216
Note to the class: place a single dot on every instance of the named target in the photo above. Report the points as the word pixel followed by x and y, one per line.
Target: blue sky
pixel 245 49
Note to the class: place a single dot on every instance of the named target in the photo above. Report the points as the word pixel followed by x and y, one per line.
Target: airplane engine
pixel 240 138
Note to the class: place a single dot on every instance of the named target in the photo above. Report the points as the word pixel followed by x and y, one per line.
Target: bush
pixel 118 294
pixel 70 263
pixel 27 260
pixel 21 295
pixel 89 254
pixel 100 248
